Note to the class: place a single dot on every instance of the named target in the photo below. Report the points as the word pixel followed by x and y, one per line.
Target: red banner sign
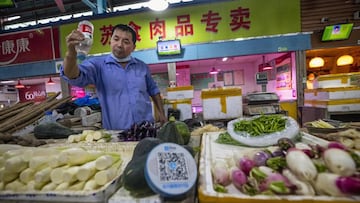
pixel 29 46
pixel 34 93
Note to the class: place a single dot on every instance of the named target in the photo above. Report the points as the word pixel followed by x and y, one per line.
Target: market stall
pixel 126 166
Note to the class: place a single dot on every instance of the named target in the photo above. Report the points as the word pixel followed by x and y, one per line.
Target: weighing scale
pixel 261 103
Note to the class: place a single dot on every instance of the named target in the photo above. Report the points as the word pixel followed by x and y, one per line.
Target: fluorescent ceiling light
pixel 13 18
pixel 7 81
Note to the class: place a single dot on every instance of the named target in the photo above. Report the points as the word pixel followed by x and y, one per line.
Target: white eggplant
pixel 301 165
pixel 302 187
pixel 325 185
pixel 221 173
pixel 339 161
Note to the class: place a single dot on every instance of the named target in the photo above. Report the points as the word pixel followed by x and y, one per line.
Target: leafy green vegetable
pixel 220 188
pixel 225 138
pixel 276 163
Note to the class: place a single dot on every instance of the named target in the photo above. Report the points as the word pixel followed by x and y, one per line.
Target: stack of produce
pixel 290 168
pixel 20 115
pixel 90 136
pixel 56 168
pixel 345 133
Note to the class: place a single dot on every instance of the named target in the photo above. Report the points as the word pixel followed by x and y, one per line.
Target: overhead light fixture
pixel 158 5
pixel 50 82
pixel 7 81
pixel 266 66
pixel 345 60
pixel 214 71
pixel 19 85
pixel 13 18
pixel 316 62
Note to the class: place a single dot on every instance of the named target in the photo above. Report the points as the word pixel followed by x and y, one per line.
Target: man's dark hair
pixel 125 28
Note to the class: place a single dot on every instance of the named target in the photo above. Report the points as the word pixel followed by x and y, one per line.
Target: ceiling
pixel 31 10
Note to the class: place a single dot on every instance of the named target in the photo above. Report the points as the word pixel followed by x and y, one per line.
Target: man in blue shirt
pixel 123 83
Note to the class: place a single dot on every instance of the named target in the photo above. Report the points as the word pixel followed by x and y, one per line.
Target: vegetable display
pixel 90 136
pixel 262 130
pixel 289 168
pixel 263 124
pixel 57 169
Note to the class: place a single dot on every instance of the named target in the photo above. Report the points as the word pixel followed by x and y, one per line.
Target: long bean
pixel 263 124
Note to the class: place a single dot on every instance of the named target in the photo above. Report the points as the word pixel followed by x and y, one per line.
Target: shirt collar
pixel 110 59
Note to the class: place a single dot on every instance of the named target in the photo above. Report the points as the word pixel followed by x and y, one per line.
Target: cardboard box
pixel 340 105
pixel 335 80
pixel 182 92
pixel 332 93
pixel 222 103
pixel 184 105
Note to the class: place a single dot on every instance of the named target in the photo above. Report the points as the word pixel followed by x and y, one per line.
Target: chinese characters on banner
pixel 29 46
pixel 184 26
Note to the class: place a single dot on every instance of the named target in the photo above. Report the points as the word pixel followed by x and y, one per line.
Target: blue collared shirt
pixel 124 93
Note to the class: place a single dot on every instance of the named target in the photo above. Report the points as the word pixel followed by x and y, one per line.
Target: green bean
pixel 263 124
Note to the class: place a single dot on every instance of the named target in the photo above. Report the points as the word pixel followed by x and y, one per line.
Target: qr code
pixel 172 166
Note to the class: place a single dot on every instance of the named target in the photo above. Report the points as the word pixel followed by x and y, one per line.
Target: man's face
pixel 121 43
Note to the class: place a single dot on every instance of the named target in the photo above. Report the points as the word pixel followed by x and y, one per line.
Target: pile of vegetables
pixel 90 136
pixel 57 169
pixel 139 131
pixel 262 130
pixel 264 124
pixel 291 169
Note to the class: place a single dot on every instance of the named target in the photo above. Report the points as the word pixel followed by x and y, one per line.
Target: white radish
pixel 63 186
pixel 86 171
pixel 39 162
pixel 105 161
pixel 71 138
pixel 104 176
pixel 77 186
pixel 27 175
pixel 69 174
pixel 339 161
pixel 43 176
pixel 15 185
pixel 4 148
pixel 50 186
pixel 15 164
pixel 301 165
pixel 57 161
pixel 97 135
pixel 7 176
pixel 56 174
pixel 91 185
pixel 2 161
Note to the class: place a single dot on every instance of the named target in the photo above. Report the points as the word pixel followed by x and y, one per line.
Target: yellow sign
pixel 200 23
